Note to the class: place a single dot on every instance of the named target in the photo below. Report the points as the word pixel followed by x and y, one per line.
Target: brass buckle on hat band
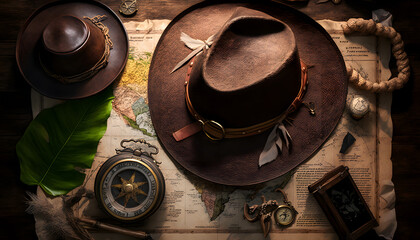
pixel 215 131
pixel 208 128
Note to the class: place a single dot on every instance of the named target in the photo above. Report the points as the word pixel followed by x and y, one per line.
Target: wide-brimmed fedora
pixel 71 49
pixel 255 63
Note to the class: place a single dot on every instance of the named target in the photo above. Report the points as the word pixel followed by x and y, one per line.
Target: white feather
pixel 274 144
pixel 270 151
pixel 190 42
pixel 286 135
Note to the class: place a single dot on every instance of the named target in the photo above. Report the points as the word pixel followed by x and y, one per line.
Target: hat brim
pixel 235 161
pixel 27 49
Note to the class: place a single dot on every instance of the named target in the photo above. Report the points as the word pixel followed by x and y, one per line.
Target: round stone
pixel 359 107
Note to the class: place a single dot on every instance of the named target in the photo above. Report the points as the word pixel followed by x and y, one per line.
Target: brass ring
pixel 213 123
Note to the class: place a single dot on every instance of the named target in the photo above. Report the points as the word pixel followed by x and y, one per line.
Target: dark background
pixel 15 107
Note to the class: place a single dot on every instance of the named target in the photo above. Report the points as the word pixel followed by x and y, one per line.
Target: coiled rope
pixel 369 27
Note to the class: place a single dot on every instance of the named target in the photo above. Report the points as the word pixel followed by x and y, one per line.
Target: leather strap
pixel 216 131
pixel 187 131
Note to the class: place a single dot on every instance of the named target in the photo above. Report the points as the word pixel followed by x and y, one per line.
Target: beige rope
pixel 363 26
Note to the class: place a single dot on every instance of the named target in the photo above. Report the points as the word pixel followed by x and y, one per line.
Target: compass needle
pixel 122 194
pixel 134 196
pixel 127 198
pixel 139 191
pixel 123 181
pixel 132 178
pixel 138 184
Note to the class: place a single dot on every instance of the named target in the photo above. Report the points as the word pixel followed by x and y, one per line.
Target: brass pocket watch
pixel 285 214
pixel 130 186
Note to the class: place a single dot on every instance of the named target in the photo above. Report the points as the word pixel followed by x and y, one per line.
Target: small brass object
pixel 284 214
pixel 311 107
pixel 128 7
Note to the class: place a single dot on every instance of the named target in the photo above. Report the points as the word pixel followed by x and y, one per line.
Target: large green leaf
pixel 62 139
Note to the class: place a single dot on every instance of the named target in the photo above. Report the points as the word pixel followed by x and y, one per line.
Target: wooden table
pixel 15 106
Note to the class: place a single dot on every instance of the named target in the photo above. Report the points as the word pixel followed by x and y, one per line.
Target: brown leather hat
pixel 72 49
pixel 251 73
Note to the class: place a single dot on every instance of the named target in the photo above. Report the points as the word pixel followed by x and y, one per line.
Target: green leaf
pixel 62 139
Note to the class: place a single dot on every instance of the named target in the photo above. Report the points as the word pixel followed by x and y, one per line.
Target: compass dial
pixel 128 188
pixel 284 215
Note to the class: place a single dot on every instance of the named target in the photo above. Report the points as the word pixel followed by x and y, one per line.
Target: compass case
pixel 129 188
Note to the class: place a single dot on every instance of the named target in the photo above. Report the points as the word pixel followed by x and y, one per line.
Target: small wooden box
pixel 342 203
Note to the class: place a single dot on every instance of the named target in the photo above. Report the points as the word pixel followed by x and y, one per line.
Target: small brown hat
pixel 252 73
pixel 72 49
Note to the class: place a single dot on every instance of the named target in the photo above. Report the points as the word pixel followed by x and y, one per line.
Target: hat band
pixel 216 131
pixel 103 61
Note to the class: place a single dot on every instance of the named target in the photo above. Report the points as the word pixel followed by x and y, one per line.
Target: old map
pixel 211 211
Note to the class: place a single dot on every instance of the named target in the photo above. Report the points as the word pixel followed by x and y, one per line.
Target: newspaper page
pixel 195 209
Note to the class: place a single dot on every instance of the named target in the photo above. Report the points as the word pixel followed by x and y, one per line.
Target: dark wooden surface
pixel 15 108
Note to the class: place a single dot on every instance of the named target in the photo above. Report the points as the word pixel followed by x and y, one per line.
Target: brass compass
pixel 130 186
pixel 128 7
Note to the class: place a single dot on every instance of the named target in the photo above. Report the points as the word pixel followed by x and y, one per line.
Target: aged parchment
pixel 193 209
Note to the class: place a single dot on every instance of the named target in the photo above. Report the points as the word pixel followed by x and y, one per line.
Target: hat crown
pixel 251 47
pixel 94 54
pixel 71 45
pixel 65 34
pixel 235 161
pixel 253 63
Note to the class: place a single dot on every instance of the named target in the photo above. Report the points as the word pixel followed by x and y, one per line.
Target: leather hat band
pixel 216 131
